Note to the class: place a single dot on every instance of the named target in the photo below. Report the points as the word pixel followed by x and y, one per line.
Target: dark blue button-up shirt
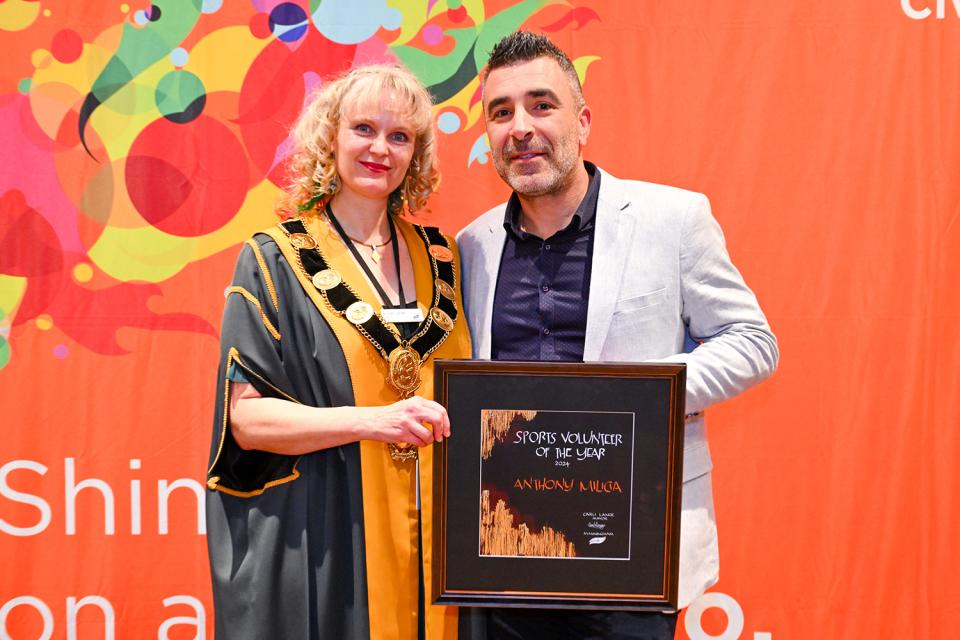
pixel 540 304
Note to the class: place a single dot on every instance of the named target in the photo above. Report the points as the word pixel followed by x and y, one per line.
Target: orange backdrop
pixel 827 135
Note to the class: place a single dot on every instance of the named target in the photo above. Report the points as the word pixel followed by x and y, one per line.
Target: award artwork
pixel 559 486
pixel 556 483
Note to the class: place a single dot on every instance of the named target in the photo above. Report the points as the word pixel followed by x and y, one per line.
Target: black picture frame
pixel 516 527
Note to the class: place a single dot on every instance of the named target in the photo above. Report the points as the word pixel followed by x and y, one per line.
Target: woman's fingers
pixel 426 420
pixel 446 425
pixel 415 421
pixel 436 416
pixel 413 431
pixel 441 425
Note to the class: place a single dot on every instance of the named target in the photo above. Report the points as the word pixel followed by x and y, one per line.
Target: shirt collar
pixel 582 217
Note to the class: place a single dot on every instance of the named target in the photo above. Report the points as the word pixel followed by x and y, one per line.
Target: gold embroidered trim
pixel 213 482
pixel 226 416
pixel 256 492
pixel 263 316
pixel 234 356
pixel 267 278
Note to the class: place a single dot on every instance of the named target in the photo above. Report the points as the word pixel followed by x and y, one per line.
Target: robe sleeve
pixel 249 350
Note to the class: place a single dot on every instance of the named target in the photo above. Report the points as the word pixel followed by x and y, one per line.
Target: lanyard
pixel 394 244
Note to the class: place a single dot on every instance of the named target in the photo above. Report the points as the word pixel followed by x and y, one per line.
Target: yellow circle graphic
pixel 82 272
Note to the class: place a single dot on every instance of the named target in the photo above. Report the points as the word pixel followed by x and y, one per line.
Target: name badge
pixel 402 315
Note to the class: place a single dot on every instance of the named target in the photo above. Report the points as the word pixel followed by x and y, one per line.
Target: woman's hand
pixel 281 426
pixel 415 421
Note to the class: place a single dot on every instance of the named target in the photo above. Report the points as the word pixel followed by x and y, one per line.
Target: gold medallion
pixel 402 452
pixel 326 279
pixel 404 370
pixel 445 289
pixel 302 241
pixel 359 312
pixel 441 253
pixel 441 318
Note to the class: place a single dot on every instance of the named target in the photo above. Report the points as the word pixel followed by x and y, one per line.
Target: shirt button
pixel 545 288
pixel 547 247
pixel 546 332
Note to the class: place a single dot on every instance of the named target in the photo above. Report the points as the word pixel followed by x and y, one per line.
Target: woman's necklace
pixel 374 254
pixel 376 257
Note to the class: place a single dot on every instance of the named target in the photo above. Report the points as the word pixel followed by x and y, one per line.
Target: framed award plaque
pixel 559 486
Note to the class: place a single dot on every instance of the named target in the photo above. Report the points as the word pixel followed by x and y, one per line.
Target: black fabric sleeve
pixel 250 344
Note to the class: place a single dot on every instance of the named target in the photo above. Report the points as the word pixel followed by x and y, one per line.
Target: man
pixel 580 265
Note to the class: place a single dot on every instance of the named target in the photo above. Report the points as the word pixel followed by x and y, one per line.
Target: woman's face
pixel 373 149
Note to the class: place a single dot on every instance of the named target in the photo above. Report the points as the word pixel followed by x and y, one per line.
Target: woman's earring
pixel 319 194
pixel 395 201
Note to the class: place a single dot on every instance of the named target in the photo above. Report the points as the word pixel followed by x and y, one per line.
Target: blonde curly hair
pixel 312 168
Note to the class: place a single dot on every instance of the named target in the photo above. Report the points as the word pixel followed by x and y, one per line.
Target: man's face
pixel 536 131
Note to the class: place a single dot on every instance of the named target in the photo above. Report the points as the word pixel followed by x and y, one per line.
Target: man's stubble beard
pixel 561 164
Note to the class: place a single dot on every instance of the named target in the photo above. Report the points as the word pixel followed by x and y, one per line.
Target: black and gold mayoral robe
pixel 323 545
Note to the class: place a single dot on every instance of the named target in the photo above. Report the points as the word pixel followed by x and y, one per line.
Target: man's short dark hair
pixel 524 46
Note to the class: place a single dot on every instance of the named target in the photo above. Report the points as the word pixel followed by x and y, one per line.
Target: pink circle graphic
pixel 187 179
pixel 67 45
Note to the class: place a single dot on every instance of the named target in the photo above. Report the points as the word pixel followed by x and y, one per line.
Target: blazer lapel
pixel 611 244
pixel 482 288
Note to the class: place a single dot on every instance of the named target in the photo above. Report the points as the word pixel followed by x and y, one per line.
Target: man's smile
pixel 528 155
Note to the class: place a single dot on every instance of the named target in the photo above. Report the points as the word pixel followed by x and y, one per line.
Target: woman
pixel 320 475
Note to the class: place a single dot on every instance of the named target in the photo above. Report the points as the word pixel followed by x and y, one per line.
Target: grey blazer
pixel 662 289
